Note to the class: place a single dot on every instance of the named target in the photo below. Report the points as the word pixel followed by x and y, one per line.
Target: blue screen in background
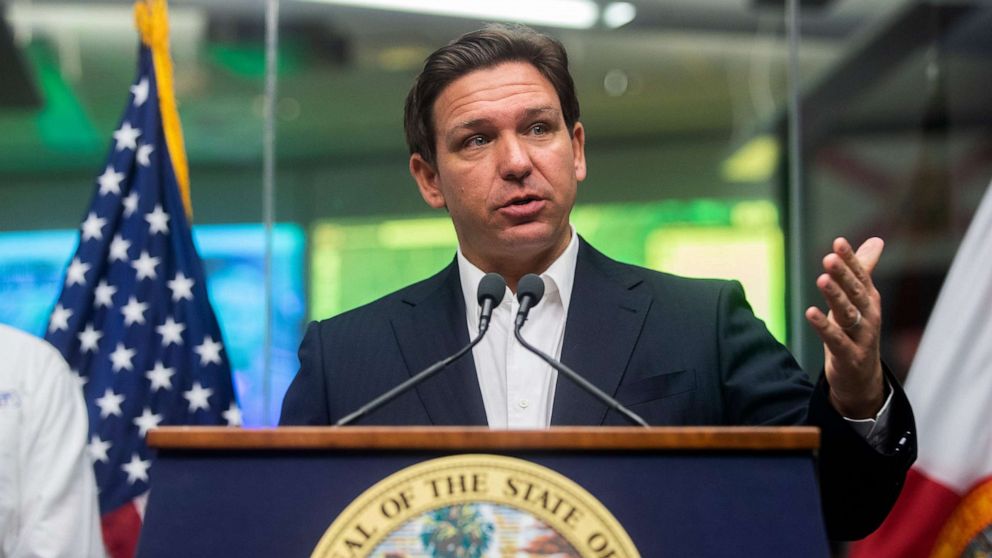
pixel 32 269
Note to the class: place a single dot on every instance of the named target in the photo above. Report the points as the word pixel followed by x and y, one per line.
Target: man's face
pixel 506 166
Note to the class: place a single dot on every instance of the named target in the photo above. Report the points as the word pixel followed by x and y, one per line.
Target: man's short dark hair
pixel 485 48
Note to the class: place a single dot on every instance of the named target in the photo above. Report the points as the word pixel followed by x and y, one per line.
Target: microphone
pixel 492 287
pixel 530 289
pixel 490 293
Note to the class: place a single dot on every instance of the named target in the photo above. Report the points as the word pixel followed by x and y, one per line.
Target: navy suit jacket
pixel 677 351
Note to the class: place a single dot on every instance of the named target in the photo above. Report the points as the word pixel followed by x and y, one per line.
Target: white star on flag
pixel 110 403
pixel 160 376
pixel 136 469
pixel 171 332
pixel 144 154
pixel 76 275
pixel 232 415
pixel 145 266
pixel 134 311
pixel 126 137
pixel 60 319
pixel 197 397
pixel 93 227
pixel 98 449
pixel 140 91
pixel 121 358
pixel 103 295
pixel 181 287
pixel 147 421
pixel 209 351
pixel 158 221
pixel 130 203
pixel 88 338
pixel 118 249
pixel 110 181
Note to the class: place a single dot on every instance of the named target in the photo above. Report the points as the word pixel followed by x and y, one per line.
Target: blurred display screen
pixel 355 261
pixel 32 268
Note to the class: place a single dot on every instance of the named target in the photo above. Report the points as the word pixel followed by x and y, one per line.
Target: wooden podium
pixel 694 491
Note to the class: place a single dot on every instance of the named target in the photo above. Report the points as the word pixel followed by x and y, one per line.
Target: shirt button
pixel 523 403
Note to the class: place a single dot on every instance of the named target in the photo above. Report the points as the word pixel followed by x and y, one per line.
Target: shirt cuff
pixel 875 430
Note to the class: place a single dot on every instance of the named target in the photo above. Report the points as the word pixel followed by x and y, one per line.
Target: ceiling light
pixel 573 14
pixel 618 14
pixel 755 161
pixel 616 82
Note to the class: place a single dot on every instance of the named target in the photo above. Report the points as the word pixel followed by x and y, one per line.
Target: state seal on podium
pixel 475 506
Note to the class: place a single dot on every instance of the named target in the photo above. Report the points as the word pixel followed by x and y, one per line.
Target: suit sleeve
pixel 305 402
pixel 859 484
pixel 763 384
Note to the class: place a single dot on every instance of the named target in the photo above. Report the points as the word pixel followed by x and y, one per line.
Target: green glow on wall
pixel 248 59
pixel 63 124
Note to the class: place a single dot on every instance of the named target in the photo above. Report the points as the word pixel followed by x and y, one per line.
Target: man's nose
pixel 515 163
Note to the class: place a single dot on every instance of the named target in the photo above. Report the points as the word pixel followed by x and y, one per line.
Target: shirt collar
pixel 559 276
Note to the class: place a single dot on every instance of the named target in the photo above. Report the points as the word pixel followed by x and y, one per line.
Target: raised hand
pixel 850 330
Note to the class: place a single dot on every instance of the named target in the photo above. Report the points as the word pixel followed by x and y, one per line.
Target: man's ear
pixel 427 181
pixel 579 151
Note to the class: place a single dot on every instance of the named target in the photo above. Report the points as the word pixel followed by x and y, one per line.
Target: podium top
pixel 694 438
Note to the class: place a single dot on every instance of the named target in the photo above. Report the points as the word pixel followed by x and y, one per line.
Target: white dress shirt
pixel 518 388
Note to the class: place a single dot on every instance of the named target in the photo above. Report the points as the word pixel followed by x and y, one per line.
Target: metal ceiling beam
pixel 880 51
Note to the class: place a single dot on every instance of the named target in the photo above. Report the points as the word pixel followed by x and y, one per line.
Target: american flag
pixel 133 319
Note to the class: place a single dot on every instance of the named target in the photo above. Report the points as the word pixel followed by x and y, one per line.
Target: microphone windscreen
pixel 491 286
pixel 530 285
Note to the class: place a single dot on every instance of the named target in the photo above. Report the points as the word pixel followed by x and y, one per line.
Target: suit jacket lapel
pixel 605 317
pixel 433 329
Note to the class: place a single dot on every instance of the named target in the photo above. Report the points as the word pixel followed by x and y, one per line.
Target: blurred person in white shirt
pixel 48 495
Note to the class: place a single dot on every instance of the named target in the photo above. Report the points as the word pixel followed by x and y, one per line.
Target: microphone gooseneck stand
pixel 491 289
pixel 530 290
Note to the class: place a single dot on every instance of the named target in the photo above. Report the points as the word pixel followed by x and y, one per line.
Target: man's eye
pixel 476 141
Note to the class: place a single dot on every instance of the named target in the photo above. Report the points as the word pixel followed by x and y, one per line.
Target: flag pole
pixel 152 19
pixel 269 189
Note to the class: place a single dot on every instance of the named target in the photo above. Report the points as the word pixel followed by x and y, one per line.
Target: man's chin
pixel 534 238
pixel 531 234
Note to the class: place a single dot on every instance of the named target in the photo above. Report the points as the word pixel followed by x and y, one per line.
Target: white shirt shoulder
pixel 48 498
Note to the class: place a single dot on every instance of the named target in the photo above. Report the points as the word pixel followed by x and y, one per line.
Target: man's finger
pixel 856 290
pixel 868 255
pixel 835 339
pixel 842 248
pixel 845 310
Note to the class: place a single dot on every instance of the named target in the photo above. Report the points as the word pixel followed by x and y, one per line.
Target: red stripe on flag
pixel 914 523
pixel 120 531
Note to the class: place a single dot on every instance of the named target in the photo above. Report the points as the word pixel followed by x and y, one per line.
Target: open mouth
pixel 522 201
pixel 525 208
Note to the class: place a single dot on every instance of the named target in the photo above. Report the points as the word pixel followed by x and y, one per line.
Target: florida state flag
pixel 945 508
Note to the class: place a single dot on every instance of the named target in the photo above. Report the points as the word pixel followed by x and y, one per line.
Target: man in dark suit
pixel 495 139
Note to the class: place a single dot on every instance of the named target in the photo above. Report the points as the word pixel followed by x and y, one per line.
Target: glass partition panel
pixel 895 142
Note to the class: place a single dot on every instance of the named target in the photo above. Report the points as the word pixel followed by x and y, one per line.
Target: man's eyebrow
pixel 467 125
pixel 546 112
